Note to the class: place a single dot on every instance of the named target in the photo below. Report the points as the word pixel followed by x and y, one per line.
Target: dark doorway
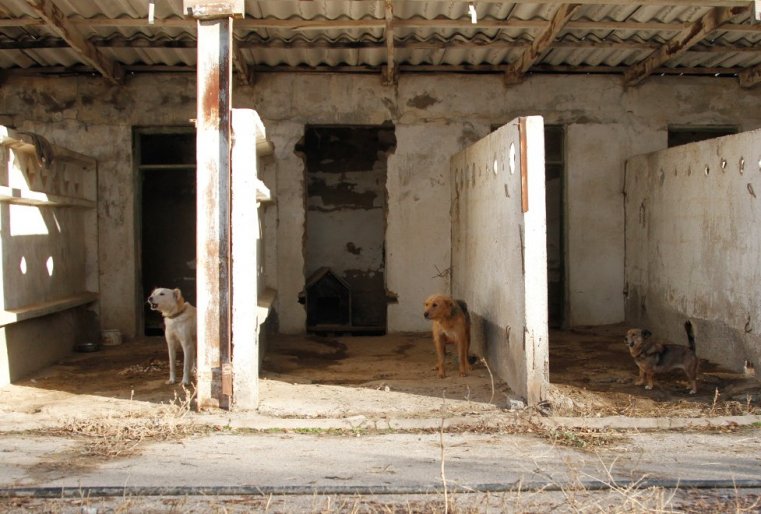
pixel 346 218
pixel 554 163
pixel 167 174
pixel 683 135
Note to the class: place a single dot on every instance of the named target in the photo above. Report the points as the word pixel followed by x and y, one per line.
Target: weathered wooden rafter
pixel 390 77
pixel 686 38
pixel 245 72
pixel 371 23
pixel 542 42
pixel 608 44
pixel 57 22
pixel 408 68
pixel 750 77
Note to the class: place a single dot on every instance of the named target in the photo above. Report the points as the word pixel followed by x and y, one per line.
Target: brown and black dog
pixel 451 324
pixel 653 357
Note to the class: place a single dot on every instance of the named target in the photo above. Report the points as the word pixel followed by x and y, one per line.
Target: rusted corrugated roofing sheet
pixel 427 36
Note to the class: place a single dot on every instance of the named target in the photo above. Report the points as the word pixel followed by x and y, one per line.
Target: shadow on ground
pixel 590 371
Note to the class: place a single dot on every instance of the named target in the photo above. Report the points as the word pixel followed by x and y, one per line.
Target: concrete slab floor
pixel 351 418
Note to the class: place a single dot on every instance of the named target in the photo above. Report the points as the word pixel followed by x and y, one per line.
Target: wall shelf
pixel 28 197
pixel 264 304
pixel 37 310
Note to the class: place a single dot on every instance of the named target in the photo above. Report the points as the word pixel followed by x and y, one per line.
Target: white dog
pixel 179 329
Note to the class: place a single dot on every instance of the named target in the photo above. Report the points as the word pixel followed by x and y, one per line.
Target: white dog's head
pixel 166 301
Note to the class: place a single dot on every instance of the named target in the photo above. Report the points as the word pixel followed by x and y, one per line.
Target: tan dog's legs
pixel 462 349
pixel 439 342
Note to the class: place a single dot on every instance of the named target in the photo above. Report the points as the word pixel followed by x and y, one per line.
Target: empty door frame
pixel 165 205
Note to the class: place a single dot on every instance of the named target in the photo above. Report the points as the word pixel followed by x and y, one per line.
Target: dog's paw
pixel 170 381
pixel 693 391
pixel 648 387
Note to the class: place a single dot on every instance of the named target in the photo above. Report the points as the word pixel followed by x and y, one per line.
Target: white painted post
pixel 245 233
pixel 535 260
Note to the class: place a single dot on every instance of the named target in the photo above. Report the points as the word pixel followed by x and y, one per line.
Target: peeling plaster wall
pixel 693 245
pixel 434 117
pixel 346 213
pixel 96 119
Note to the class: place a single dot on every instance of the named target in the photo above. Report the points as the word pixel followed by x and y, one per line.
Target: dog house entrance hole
pixel 346 227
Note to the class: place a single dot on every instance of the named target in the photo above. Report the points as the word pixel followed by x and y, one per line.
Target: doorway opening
pixel 344 247
pixel 682 135
pixel 554 165
pixel 166 162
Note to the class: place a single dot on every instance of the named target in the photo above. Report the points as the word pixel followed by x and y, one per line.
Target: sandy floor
pixel 590 371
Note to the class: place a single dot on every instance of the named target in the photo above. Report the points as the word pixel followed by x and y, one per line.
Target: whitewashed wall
pixel 693 245
pixel 434 117
pixel 499 252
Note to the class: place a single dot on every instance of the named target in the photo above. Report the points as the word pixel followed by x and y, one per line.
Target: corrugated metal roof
pixel 431 35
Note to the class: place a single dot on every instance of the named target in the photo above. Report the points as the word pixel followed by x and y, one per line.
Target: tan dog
pixel 451 324
pixel 653 357
pixel 180 329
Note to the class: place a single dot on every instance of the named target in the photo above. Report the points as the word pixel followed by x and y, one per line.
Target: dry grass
pixel 119 435
pixel 575 402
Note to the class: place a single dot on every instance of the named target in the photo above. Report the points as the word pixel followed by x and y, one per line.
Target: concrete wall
pixel 693 245
pixel 434 117
pixel 48 238
pixel 499 252
pixel 97 119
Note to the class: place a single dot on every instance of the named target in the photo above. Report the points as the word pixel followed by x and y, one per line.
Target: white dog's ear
pixel 178 295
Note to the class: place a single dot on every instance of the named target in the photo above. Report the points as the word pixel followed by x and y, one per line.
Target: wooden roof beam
pixel 750 77
pixel 410 23
pixel 670 3
pixel 390 68
pixel 245 72
pixel 682 42
pixel 542 42
pixel 57 22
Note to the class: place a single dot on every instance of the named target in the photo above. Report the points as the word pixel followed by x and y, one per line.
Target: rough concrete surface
pixel 350 424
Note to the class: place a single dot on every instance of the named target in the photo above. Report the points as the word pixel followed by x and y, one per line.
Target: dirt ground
pixel 91 417
pixel 590 371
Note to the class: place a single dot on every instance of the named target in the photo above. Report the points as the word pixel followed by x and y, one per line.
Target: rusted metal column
pixel 213 147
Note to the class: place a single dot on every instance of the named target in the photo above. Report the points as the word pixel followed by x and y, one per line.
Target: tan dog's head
pixel 438 306
pixel 166 301
pixel 635 338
